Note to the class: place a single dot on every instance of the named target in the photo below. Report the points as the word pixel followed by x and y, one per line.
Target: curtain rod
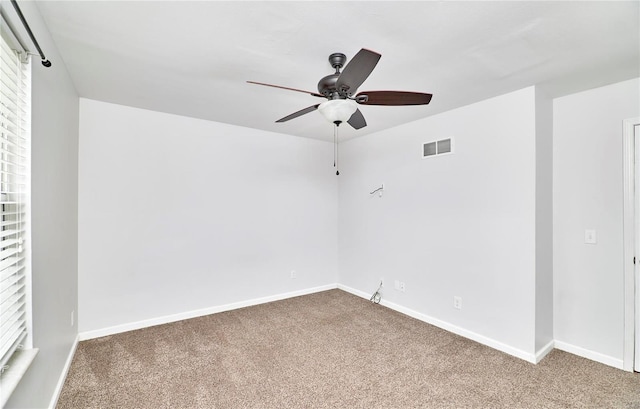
pixel 45 62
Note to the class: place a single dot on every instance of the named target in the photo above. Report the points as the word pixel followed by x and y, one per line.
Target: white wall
pixel 54 220
pixel 588 194
pixel 179 214
pixel 544 221
pixel 453 225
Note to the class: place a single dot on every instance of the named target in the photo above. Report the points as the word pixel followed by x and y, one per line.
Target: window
pixel 15 94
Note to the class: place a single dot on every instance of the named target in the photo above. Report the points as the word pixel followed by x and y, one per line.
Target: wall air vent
pixel 429 149
pixel 437 148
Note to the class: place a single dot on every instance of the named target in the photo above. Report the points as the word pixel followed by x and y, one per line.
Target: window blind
pixel 14 191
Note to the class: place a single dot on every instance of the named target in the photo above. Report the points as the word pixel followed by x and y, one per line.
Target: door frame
pixel 631 349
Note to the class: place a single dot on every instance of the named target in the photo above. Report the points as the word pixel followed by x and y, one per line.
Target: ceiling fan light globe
pixel 338 110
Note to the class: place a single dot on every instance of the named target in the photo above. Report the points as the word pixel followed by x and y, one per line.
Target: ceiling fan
pixel 340 91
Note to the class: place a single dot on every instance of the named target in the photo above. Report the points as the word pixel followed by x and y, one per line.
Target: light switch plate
pixel 590 236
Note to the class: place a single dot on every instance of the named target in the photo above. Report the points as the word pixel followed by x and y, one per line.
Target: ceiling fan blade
pixel 357 70
pixel 315 94
pixel 357 120
pixel 299 113
pixel 392 98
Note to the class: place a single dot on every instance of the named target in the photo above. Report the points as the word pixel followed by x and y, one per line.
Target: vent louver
pixel 437 148
pixel 429 149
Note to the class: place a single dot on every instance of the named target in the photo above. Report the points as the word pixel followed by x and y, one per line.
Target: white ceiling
pixel 193 58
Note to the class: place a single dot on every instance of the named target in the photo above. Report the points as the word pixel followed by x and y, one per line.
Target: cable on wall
pixel 379 190
pixel 376 297
pixel 45 62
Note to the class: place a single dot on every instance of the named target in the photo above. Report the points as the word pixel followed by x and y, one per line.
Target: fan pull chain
pixel 335 138
pixel 335 147
pixel 337 154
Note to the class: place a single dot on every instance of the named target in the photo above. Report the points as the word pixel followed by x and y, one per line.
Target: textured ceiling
pixel 193 58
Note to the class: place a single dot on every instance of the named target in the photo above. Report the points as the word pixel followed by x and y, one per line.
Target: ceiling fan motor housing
pixel 327 86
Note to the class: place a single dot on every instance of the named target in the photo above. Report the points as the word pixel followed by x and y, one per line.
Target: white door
pixel 631 230
pixel 636 137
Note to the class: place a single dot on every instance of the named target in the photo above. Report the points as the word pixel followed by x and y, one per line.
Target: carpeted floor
pixel 327 350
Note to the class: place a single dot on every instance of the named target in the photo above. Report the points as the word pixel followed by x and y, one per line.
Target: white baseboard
pixel 197 313
pixel 518 353
pixel 544 351
pixel 592 355
pixel 63 375
pixel 533 358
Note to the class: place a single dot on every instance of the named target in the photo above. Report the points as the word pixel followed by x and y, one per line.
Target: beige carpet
pixel 327 350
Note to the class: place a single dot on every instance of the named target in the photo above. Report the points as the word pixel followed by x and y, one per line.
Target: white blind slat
pixel 11 303
pixel 8 253
pixel 12 348
pixel 5 223
pixel 8 264
pixel 11 333
pixel 7 232
pixel 9 242
pixel 12 320
pixel 9 280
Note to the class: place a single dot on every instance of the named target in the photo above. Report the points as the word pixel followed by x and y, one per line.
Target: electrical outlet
pixel 294 274
pixel 399 285
pixel 457 303
pixel 73 317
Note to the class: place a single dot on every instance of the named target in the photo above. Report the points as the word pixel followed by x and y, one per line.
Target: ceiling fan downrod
pixel 337 61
